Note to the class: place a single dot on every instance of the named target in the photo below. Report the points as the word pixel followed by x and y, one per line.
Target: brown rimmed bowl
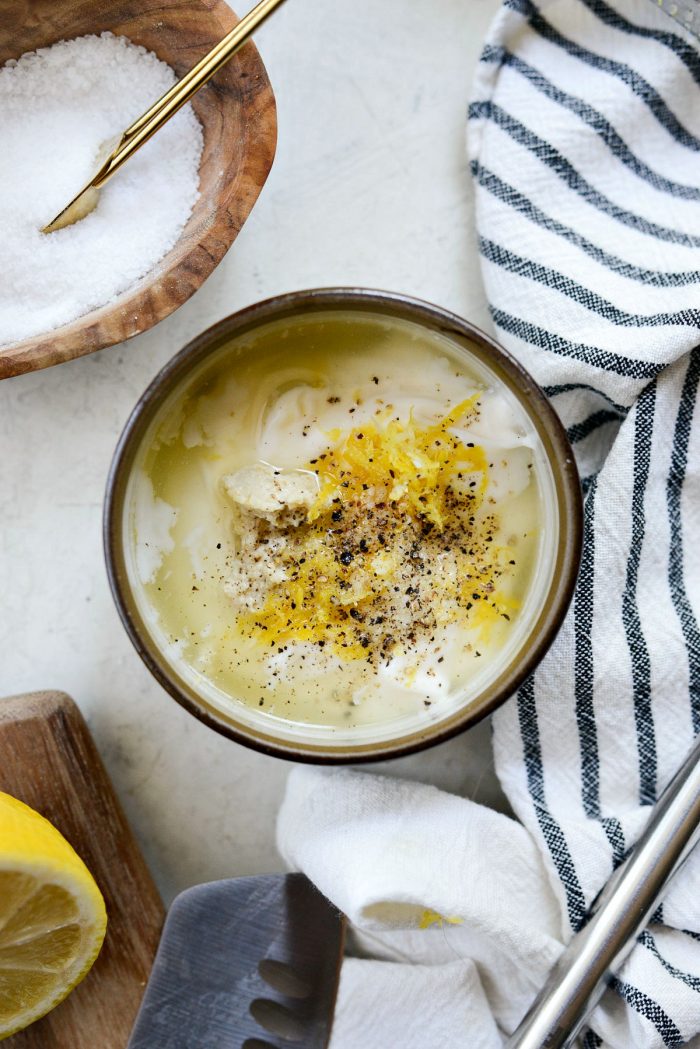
pixel 237 113
pixel 465 339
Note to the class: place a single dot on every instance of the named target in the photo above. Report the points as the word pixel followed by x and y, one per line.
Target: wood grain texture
pixel 49 760
pixel 237 112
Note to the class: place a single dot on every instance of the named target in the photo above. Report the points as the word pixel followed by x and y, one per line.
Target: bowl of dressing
pixel 342 525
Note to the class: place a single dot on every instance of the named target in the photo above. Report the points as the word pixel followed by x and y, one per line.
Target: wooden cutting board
pixel 49 760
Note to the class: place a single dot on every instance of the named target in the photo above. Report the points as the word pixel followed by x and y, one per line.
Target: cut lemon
pixel 52 916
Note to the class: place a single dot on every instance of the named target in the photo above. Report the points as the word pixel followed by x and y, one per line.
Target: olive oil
pixel 407 577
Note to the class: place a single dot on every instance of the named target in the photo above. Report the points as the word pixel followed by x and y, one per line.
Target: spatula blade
pixel 247 963
pixel 686 14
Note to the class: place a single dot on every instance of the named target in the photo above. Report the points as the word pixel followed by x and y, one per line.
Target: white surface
pixel 370 187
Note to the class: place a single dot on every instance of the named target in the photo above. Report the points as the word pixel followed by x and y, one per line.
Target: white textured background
pixel 370 187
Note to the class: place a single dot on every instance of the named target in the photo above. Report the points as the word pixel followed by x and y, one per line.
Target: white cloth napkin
pixel 585 147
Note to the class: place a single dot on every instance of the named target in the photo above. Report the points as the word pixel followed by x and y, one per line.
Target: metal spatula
pixel 686 12
pixel 247 963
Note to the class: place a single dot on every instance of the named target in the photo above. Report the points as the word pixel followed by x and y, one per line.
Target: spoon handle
pixel 176 97
pixel 618 916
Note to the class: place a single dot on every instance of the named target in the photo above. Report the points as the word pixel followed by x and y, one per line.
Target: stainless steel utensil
pixel 115 152
pixel 686 13
pixel 247 963
pixel 618 916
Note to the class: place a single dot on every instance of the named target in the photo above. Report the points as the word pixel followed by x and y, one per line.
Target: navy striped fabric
pixel 584 136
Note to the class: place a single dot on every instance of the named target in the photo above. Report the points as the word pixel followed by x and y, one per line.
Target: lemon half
pixel 52 916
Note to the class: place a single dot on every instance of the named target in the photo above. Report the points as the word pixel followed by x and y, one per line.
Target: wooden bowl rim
pixel 92 332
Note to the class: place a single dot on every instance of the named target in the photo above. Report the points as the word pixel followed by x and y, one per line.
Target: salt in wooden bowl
pixel 237 113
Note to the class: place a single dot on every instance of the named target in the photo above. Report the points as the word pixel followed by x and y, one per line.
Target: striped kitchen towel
pixel 584 141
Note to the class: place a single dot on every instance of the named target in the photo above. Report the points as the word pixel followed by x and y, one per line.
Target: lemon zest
pixel 429 918
pixel 410 467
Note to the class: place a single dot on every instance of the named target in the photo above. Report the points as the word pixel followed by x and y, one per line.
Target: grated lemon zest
pixel 388 460
pixel 429 918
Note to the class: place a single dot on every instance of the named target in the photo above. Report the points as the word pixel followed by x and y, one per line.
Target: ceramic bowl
pixel 237 113
pixel 257 729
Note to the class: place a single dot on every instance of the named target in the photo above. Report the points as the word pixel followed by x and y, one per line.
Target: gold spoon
pixel 115 152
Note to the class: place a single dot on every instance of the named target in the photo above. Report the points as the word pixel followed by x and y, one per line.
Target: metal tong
pixel 618 916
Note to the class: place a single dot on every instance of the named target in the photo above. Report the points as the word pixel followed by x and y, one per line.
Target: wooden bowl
pixel 237 112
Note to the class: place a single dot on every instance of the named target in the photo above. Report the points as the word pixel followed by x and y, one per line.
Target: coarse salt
pixel 57 106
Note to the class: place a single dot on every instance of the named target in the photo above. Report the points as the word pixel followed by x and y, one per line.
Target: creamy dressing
pixel 278 400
